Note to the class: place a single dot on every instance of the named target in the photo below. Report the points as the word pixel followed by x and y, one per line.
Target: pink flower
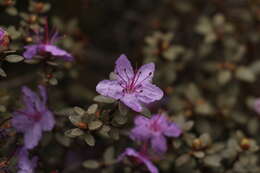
pixel 34 118
pixel 45 46
pixel 141 158
pixel 154 130
pixel 132 88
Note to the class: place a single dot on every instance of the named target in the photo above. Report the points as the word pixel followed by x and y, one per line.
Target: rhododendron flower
pixel 26 165
pixel 45 46
pixel 34 118
pixel 154 131
pixel 131 87
pixel 140 158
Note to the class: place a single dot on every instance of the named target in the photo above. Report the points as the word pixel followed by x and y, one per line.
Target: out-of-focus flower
pixel 4 39
pixel 140 158
pixel 45 46
pixel 132 88
pixel 257 105
pixel 26 165
pixel 154 130
pixel 34 118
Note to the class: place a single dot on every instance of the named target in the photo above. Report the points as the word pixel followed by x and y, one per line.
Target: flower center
pixel 155 125
pixel 36 116
pixel 131 85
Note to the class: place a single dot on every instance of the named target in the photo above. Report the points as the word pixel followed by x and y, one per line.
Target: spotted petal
pixel 124 69
pixel 145 73
pixel 150 93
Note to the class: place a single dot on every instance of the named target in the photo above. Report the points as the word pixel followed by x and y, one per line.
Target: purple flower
pixel 45 46
pixel 154 130
pixel 256 105
pixel 34 118
pixel 26 165
pixel 132 88
pixel 139 157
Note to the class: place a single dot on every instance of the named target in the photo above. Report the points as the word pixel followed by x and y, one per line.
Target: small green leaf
pixel 74 132
pixel 123 109
pixel 245 74
pixel 93 125
pixel 14 58
pixel 224 76
pixel 114 133
pixel 103 99
pixel 12 11
pixel 89 139
pixel 91 164
pixel 79 110
pixel 53 81
pixel 112 76
pixel 146 112
pixel 75 119
pixel 92 109
pixel 109 155
pixel 2 73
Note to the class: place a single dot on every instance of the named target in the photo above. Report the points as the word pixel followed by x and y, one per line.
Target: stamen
pixel 145 78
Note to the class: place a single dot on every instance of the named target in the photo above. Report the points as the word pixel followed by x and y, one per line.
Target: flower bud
pixel 245 143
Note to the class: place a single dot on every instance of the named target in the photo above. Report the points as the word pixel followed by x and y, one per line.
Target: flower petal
pixel 150 93
pixel 32 136
pixel 140 133
pixel 55 51
pixel 43 93
pixel 124 69
pixel 25 165
pixel 30 51
pixel 47 121
pixel 145 73
pixel 31 100
pixel 132 102
pixel 109 88
pixel 131 152
pixel 173 130
pixel 141 120
pixel 159 144
pixel 20 122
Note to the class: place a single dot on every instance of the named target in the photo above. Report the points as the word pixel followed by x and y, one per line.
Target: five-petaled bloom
pixel 154 130
pixel 139 158
pixel 4 39
pixel 34 118
pixel 26 165
pixel 133 88
pixel 45 47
